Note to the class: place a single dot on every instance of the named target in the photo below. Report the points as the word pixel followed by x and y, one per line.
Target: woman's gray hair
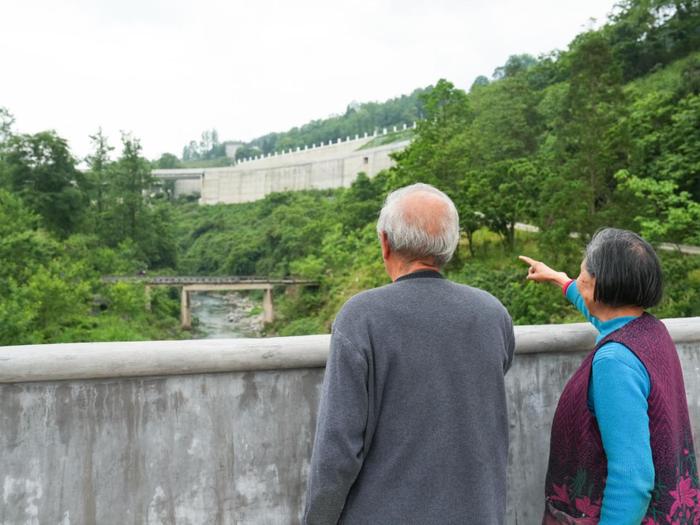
pixel 626 268
pixel 419 236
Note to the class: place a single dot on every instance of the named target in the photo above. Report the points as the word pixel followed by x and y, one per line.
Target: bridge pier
pixel 268 308
pixel 185 309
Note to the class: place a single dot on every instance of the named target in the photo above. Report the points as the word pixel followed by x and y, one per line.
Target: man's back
pixel 413 422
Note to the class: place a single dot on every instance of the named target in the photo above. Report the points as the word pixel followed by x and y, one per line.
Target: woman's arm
pixel 541 273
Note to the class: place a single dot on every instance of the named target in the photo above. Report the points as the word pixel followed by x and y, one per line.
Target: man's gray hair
pixel 416 236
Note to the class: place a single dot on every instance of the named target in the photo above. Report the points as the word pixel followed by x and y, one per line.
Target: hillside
pixel 358 118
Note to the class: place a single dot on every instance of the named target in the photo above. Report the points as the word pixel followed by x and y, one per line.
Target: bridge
pixel 190 284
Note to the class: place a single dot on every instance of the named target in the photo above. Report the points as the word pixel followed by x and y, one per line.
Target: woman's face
pixel 585 283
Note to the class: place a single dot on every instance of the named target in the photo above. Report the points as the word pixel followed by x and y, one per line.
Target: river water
pixel 225 315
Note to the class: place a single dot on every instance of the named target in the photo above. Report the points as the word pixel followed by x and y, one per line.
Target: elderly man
pixel 412 424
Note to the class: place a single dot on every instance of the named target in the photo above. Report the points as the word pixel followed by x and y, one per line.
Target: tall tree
pixel 586 146
pixel 41 170
pixel 440 153
pixel 6 122
pixel 502 164
pixel 130 182
pixel 168 161
pixel 99 163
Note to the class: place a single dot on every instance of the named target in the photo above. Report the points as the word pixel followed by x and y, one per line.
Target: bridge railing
pixel 221 431
pixel 196 279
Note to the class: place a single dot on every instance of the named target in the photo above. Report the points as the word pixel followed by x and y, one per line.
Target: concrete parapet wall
pixel 221 431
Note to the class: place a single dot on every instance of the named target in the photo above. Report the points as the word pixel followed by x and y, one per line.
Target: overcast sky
pixel 165 70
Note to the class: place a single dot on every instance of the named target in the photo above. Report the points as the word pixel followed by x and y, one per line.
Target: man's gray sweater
pixel 412 424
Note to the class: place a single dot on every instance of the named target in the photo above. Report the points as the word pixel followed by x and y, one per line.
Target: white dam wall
pixel 316 167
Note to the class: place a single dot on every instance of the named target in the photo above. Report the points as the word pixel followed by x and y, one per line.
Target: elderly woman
pixel 621 449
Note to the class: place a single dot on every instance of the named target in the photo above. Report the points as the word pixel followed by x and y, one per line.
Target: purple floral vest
pixel 577 463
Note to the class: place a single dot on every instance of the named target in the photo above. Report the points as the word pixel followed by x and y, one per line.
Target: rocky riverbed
pixel 223 315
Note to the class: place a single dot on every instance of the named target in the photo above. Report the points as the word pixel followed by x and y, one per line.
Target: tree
pixel 129 183
pixel 647 33
pixel 191 151
pixel 514 65
pixel 587 144
pixel 130 215
pixel 440 153
pixel 663 213
pixel 97 176
pixel 6 122
pixel 436 155
pixel 245 152
pixel 479 81
pixel 41 170
pixel 502 168
pixel 168 161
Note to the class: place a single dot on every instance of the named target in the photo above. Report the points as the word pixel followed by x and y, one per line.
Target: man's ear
pixel 386 247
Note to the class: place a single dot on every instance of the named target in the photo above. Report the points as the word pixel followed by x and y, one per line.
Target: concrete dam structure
pixel 333 165
pixel 221 431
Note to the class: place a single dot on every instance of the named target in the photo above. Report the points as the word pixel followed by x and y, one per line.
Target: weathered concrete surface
pixel 196 449
pixel 228 447
pixel 252 181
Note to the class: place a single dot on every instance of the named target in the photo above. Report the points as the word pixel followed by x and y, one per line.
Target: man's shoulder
pixel 479 296
pixel 365 301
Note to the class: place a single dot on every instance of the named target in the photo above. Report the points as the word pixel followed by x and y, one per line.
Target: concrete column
pixel 268 309
pixel 147 293
pixel 185 311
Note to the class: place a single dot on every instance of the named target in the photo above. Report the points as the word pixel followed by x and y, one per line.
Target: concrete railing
pixel 365 136
pixel 221 431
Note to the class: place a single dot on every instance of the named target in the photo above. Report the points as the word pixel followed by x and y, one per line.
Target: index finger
pixel 527 260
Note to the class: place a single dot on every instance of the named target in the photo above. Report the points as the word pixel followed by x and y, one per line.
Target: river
pixel 225 315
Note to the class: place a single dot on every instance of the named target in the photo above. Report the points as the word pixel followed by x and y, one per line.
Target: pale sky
pixel 166 70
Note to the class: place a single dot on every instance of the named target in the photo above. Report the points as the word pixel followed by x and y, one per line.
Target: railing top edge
pixel 54 362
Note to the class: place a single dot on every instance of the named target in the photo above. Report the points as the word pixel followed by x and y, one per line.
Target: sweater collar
pixel 421 274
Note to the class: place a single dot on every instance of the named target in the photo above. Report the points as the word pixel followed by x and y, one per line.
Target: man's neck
pixel 412 267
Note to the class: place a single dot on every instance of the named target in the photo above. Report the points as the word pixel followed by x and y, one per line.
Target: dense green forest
pixel 357 120
pixel 605 133
pixel 62 229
